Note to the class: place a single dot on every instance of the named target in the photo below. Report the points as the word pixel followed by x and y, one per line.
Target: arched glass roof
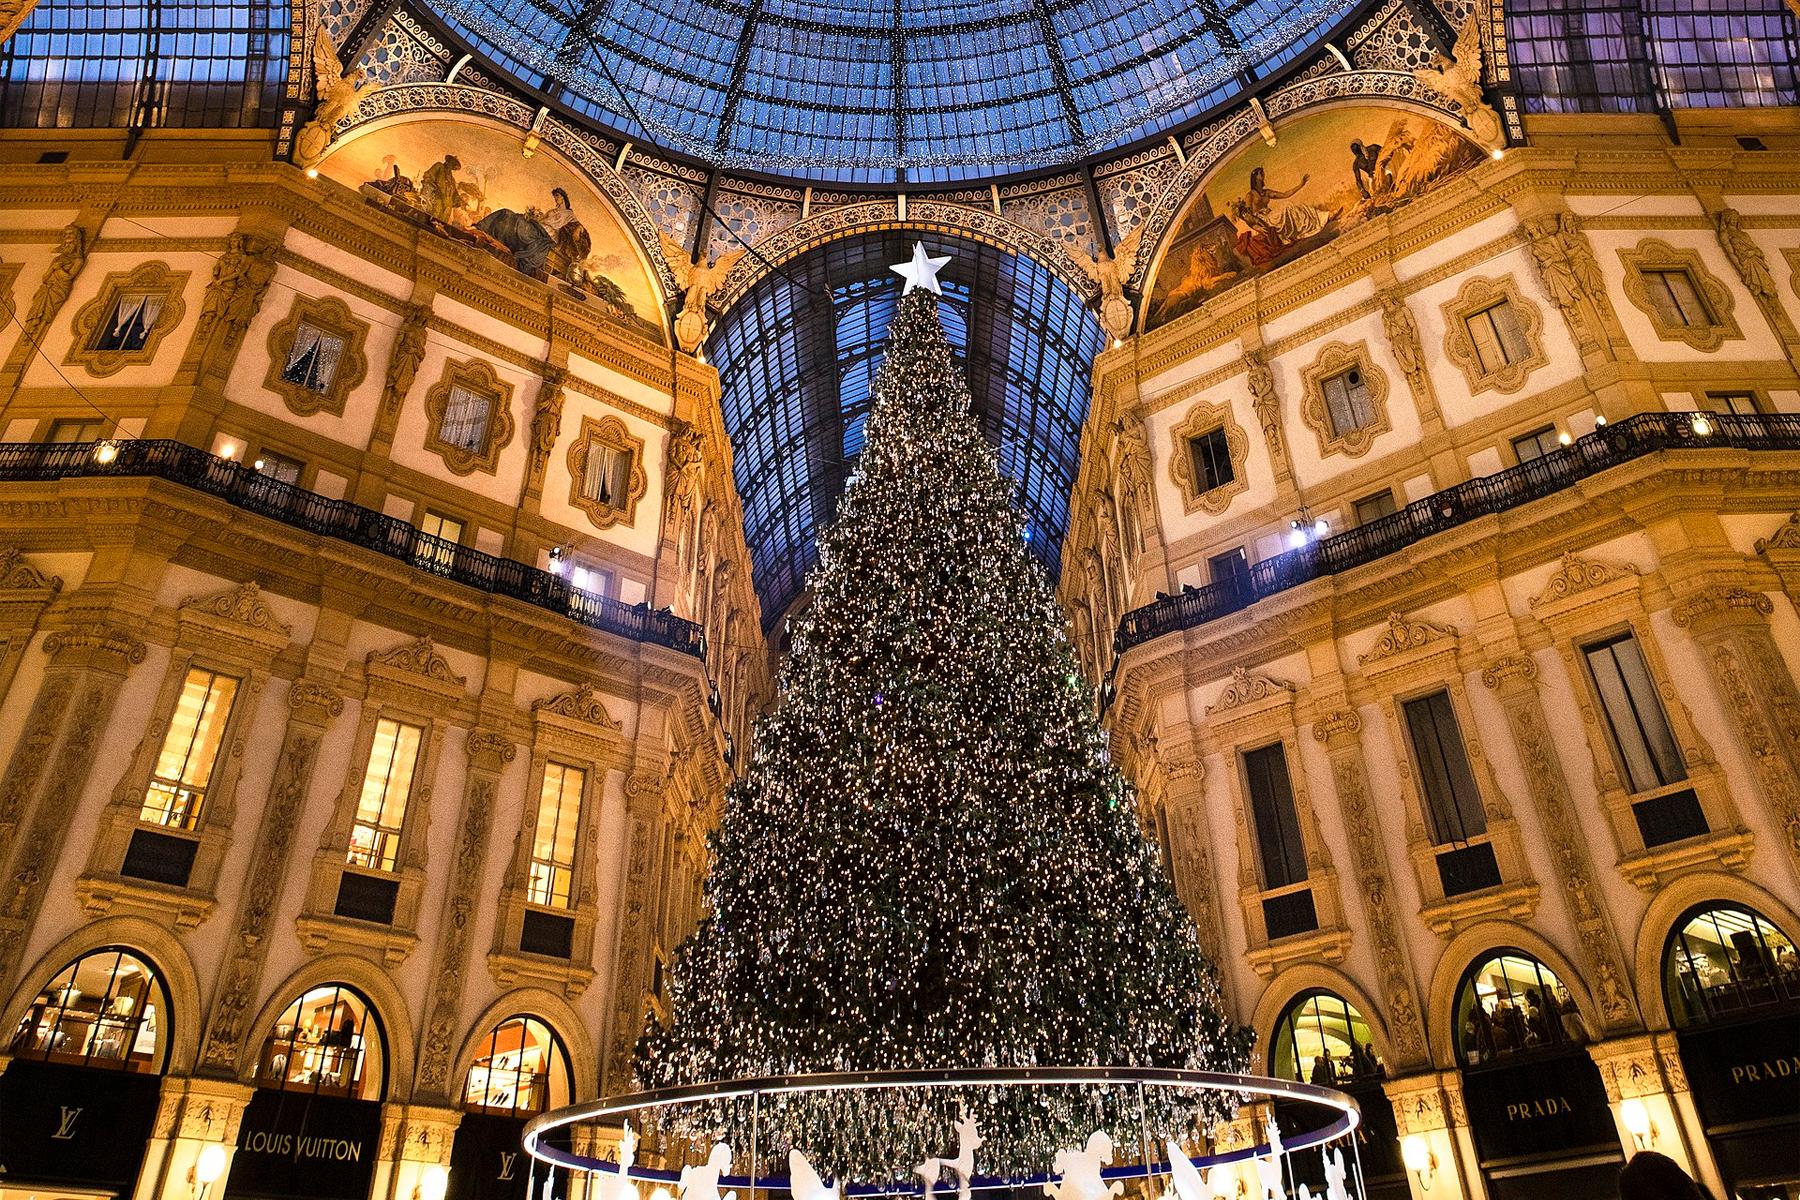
pixel 872 91
pixel 797 359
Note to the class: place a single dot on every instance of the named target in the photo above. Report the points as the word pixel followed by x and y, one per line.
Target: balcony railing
pixel 252 491
pixel 1608 446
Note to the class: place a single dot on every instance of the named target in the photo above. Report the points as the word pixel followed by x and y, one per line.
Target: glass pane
pixel 1452 801
pixel 387 783
pixel 190 749
pixel 1323 1039
pixel 1511 1003
pixel 466 420
pixel 326 1042
pixel 519 1069
pixel 105 1009
pixel 313 359
pixel 1727 960
pixel 1272 812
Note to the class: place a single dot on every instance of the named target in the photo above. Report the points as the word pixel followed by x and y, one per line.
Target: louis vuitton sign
pixel 488 1161
pixel 74 1125
pixel 295 1146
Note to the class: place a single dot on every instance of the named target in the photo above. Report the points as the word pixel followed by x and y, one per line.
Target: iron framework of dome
pixel 872 91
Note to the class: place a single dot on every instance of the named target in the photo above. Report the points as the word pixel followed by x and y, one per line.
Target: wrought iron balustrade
pixel 1606 447
pixel 250 490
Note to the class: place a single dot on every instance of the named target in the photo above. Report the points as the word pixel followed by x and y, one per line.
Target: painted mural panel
pixel 471 183
pixel 1327 173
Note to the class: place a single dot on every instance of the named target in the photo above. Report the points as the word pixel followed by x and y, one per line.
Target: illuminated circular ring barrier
pixel 1250 1087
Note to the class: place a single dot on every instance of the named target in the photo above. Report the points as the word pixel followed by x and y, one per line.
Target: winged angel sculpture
pixel 1110 271
pixel 1459 78
pixel 698 281
pixel 339 92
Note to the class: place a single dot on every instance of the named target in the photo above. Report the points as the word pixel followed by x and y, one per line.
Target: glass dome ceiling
pixel 878 91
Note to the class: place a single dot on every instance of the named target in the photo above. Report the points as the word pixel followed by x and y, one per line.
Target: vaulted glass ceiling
pixel 872 91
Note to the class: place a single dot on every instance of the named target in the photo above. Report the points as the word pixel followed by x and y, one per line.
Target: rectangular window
pixel 608 478
pixel 1736 404
pixel 1537 443
pixel 128 326
pixel 1272 815
pixel 1212 460
pixel 1347 401
pixel 77 430
pixel 1675 297
pixel 1231 568
pixel 592 580
pixel 1373 508
pixel 278 467
pixel 312 360
pixel 190 750
pixel 387 784
pixel 1640 728
pixel 553 845
pixel 441 554
pixel 466 420
pixel 1497 337
pixel 1451 799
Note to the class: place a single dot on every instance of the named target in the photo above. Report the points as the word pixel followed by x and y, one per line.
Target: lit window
pixel 1212 459
pixel 106 1009
pixel 1510 1003
pixel 1452 801
pixel 1497 337
pixel 190 750
pixel 438 554
pixel 553 845
pixel 128 326
pixel 1726 961
pixel 387 784
pixel 1373 508
pixel 521 1068
pixel 329 1042
pixel 465 423
pixel 1676 299
pixel 1322 1039
pixel 279 467
pixel 312 360
pixel 1537 444
pixel 1634 714
pixel 78 430
pixel 1347 401
pixel 608 477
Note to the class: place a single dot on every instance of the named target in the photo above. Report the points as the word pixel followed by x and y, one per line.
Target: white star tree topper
pixel 921 271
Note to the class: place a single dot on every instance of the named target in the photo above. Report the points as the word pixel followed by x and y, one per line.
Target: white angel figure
pixel 1268 1175
pixel 804 1182
pixel 1459 78
pixel 620 1186
pixel 702 1182
pixel 1078 1171
pixel 1189 1183
pixel 339 91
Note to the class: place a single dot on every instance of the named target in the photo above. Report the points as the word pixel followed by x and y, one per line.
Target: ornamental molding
pixel 418 658
pixel 1509 669
pixel 489 751
pixel 1785 537
pixel 1202 418
pixel 478 377
pixel 1722 602
pixel 155 277
pixel 1339 723
pixel 1335 359
pixel 1654 254
pixel 1247 689
pixel 1576 574
pixel 582 704
pixel 1404 635
pixel 608 431
pixel 314 701
pixel 242 605
pixel 95 638
pixel 329 315
pixel 1478 294
pixel 18 575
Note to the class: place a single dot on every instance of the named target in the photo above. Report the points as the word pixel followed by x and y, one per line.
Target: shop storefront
pixel 1732 983
pixel 1537 1108
pixel 519 1071
pixel 313 1129
pixel 1321 1038
pixel 78 1101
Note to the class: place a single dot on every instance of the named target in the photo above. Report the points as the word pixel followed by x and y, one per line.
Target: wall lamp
pixel 1636 1119
pixel 207 1169
pixel 1416 1153
pixel 433 1181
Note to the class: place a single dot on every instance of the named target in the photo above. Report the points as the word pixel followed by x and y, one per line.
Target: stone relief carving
pixel 1403 634
pixel 243 604
pixel 1246 688
pixel 421 658
pixel 1577 574
pixel 240 280
pixel 581 704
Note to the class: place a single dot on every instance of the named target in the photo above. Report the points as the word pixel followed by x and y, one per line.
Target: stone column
pixel 489 752
pixel 1339 730
pixel 645 830
pixel 50 768
pixel 1513 677
pixel 1430 1107
pixel 193 1114
pixel 1647 1068
pixel 414 1138
pixel 311 707
pixel 1730 626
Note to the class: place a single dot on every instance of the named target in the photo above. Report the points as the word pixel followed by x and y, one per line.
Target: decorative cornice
pixel 1786 537
pixel 1510 668
pixel 1577 574
pixel 420 658
pixel 314 701
pixel 1721 602
pixel 1404 634
pixel 243 605
pixel 582 704
pixel 1246 688
pixel 95 638
pixel 18 575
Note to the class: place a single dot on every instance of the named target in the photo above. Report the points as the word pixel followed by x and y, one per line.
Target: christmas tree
pixel 930 862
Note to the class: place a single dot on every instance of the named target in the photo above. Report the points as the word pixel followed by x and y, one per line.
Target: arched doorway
pixel 520 1069
pixel 313 1129
pixel 78 1102
pixel 1537 1107
pixel 1731 980
pixel 1321 1038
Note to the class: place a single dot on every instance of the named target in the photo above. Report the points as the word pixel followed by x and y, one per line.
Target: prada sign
pixel 488 1161
pixel 74 1125
pixel 296 1146
pixel 1542 1106
pixel 1745 1072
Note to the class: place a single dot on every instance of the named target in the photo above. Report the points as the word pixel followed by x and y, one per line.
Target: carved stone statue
pixel 240 279
pixel 681 472
pixel 546 418
pixel 1751 263
pixel 1459 79
pixel 698 281
pixel 1109 272
pixel 339 91
pixel 1550 241
pixel 1403 337
pixel 409 352
pixel 59 281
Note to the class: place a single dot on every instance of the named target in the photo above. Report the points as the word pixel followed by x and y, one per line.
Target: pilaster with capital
pixel 191 1115
pixel 1781 550
pixel 414 1138
pixel 1430 1106
pixel 646 828
pixel 1645 1070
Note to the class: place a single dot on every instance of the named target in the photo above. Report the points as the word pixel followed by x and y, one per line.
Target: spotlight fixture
pixel 105 452
pixel 207 1169
pixel 1636 1119
pixel 432 1183
pixel 1564 437
pixel 1702 424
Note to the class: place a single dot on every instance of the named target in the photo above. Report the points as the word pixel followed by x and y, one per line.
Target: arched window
pixel 106 1009
pixel 521 1068
pixel 328 1041
pixel 1723 961
pixel 1510 1003
pixel 1322 1039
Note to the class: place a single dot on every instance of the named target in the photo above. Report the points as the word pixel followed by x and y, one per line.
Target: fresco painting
pixel 1326 174
pixel 472 184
